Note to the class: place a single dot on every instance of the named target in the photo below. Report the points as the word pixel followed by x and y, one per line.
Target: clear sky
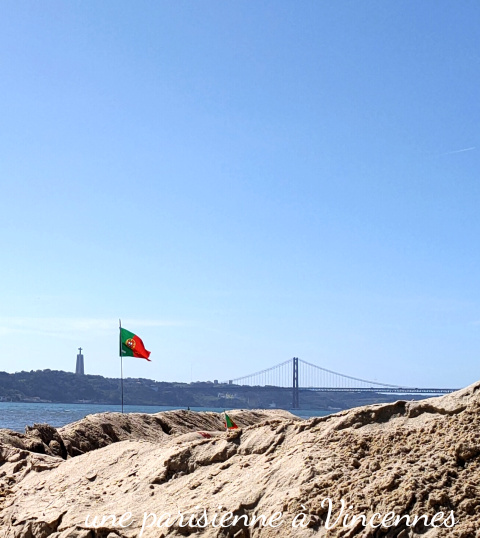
pixel 241 182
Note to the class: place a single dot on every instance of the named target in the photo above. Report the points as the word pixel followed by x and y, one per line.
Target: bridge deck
pixel 389 390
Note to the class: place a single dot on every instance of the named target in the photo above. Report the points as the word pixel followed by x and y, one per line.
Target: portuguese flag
pixel 132 346
pixel 229 424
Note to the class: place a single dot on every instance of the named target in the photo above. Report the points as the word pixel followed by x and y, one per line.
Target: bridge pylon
pixel 295 402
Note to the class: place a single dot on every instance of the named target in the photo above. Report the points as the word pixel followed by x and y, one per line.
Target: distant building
pixel 80 369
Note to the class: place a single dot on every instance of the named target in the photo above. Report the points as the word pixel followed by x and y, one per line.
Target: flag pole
pixel 121 356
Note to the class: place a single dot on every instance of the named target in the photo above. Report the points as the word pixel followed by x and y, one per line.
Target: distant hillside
pixel 66 387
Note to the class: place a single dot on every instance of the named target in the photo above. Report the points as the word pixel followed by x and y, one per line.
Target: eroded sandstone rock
pixel 410 458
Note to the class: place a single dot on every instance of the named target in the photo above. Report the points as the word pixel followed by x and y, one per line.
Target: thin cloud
pixel 458 151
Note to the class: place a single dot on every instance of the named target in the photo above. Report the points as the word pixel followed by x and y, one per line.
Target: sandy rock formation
pixel 102 429
pixel 409 458
pixel 39 438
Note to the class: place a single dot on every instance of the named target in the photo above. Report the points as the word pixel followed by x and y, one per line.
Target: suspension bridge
pixel 299 375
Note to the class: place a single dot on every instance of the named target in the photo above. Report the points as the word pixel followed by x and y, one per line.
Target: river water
pixel 16 415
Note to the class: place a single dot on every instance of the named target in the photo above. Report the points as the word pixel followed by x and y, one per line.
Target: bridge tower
pixel 295 404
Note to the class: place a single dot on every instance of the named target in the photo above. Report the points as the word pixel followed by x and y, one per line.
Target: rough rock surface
pixel 102 429
pixel 40 438
pixel 411 458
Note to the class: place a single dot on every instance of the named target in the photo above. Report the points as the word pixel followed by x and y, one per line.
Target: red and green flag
pixel 132 346
pixel 229 424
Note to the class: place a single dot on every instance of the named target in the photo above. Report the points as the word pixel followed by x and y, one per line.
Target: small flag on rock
pixel 229 424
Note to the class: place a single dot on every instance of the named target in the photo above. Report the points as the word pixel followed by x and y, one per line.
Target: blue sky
pixel 241 183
